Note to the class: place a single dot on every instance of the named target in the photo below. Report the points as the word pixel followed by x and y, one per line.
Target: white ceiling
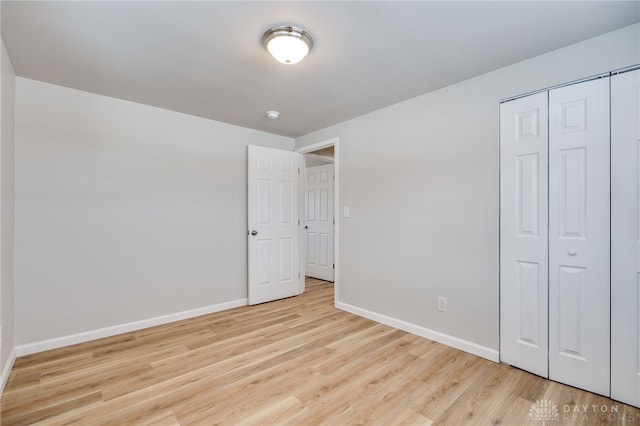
pixel 205 58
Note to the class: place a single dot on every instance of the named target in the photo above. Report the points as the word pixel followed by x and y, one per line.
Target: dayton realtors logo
pixel 597 413
pixel 547 411
pixel 544 411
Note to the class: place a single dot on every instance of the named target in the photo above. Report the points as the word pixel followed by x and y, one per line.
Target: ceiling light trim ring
pixel 287 30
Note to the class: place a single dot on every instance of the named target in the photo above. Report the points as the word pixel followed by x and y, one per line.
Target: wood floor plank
pixel 47 408
pixel 380 391
pixel 445 388
pixel 86 367
pixel 236 397
pixel 480 397
pixel 296 361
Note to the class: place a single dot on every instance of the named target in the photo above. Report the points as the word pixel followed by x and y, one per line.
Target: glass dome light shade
pixel 288 45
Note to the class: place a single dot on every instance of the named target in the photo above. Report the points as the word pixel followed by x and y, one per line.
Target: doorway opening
pixel 319 207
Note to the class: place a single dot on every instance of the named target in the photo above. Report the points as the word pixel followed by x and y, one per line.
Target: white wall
pixel 124 212
pixel 7 96
pixel 421 178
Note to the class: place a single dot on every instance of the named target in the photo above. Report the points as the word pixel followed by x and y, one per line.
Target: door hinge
pixel 334 221
pixel 298 222
pixel 334 266
pixel 298 170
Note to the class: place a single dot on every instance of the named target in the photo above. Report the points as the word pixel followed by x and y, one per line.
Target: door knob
pixel 572 252
pixel 306 227
pixel 254 232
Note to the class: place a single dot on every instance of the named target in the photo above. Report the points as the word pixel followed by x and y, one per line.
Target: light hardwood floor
pixel 293 361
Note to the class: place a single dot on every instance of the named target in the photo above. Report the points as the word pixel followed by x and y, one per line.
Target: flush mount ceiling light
pixel 287 44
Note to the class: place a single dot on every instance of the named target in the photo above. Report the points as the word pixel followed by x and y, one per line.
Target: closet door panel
pixel 523 233
pixel 625 237
pixel 579 236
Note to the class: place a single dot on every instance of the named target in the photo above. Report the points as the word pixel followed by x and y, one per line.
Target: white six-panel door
pixel 625 237
pixel 273 219
pixel 319 222
pixel 523 233
pixel 579 235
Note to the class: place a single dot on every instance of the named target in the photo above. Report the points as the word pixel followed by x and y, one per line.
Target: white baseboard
pixel 58 342
pixel 454 342
pixel 6 370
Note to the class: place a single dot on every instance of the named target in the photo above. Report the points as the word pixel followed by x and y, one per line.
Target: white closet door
pixel 523 233
pixel 625 237
pixel 579 237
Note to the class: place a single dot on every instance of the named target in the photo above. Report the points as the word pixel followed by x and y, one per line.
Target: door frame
pixel 334 142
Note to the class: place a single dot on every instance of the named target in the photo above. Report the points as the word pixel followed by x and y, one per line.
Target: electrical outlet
pixel 442 304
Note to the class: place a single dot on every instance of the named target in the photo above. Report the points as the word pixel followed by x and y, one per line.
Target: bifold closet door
pixel 579 235
pixel 523 233
pixel 625 237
